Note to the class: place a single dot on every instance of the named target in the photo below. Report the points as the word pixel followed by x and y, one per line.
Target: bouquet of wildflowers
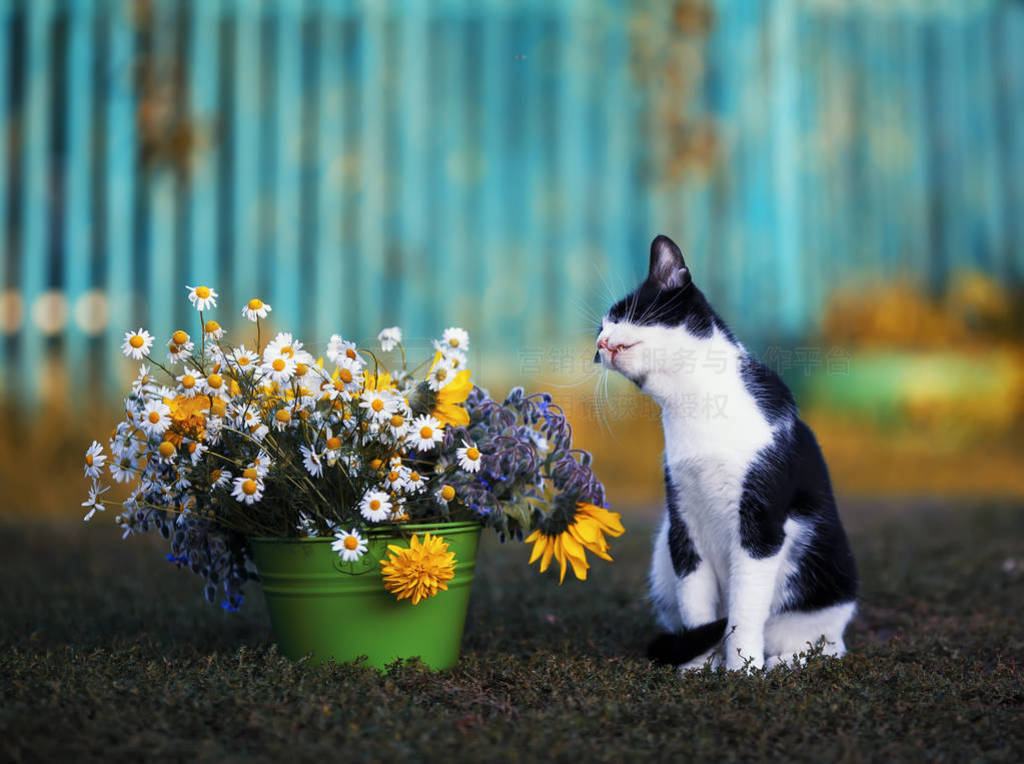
pixel 237 441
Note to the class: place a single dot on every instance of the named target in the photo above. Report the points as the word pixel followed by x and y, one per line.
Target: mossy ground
pixel 108 652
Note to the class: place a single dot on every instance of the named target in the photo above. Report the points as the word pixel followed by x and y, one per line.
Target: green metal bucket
pixel 323 606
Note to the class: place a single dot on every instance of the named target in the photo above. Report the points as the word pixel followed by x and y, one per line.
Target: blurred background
pixel 844 176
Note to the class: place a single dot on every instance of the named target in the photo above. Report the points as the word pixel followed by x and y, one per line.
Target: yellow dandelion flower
pixel 419 571
pixel 586 531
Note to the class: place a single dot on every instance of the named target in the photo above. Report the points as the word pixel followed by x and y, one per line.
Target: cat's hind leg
pixel 789 634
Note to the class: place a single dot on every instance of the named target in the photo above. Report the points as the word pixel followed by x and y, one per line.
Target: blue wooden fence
pixel 495 164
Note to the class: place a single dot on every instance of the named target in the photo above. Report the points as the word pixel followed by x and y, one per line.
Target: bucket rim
pixel 391 531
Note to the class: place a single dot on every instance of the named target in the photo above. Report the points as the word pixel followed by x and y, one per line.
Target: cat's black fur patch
pixel 649 305
pixel 677 649
pixel 680 546
pixel 767 388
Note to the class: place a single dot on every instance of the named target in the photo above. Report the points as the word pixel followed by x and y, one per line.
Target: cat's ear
pixel 668 270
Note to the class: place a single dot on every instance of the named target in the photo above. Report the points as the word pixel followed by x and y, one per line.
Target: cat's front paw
pixel 744 656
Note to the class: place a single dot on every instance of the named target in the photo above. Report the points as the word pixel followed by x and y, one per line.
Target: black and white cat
pixel 751 547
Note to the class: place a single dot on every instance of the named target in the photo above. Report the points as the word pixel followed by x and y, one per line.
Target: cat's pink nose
pixel 602 344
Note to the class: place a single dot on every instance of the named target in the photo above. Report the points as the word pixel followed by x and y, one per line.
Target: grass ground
pixel 108 652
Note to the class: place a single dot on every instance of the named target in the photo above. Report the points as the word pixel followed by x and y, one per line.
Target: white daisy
pixel 311 461
pixel 444 494
pixel 425 433
pixel 219 479
pixel 124 469
pixel 94 459
pixel 214 331
pixel 155 418
pixel 180 347
pixel 379 404
pixel 262 464
pixel 307 526
pixel 195 451
pixel 282 419
pixel 457 357
pixel 469 457
pixel 441 373
pixel 245 360
pixel 339 348
pixel 349 545
pixel 398 424
pixel 389 338
pixel 190 385
pixel 202 297
pixel 256 309
pixel 285 346
pixel 136 345
pixel 279 370
pixel 414 482
pixel 216 385
pixel 247 490
pixel 395 479
pixel 455 338
pixel 94 502
pixel 143 381
pixel 375 506
pixel 214 427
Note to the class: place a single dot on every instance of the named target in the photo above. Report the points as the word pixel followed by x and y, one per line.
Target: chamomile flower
pixel 155 418
pixel 455 338
pixel 349 545
pixel 166 452
pixel 375 506
pixel 345 382
pixel 180 347
pixel 338 349
pixel 414 482
pixel 202 297
pixel 215 385
pixel 94 502
pixel 379 404
pixel 284 346
pixel 307 526
pixel 469 457
pixel 143 381
pixel 261 464
pixel 279 370
pixel 123 469
pixel 282 419
pixel 94 459
pixel 441 373
pixel 457 357
pixel 247 490
pixel 394 480
pixel 195 451
pixel 311 461
pixel 244 359
pixel 220 479
pixel 256 309
pixel 398 424
pixel 189 384
pixel 389 338
pixel 213 330
pixel 425 433
pixel 136 344
pixel 444 494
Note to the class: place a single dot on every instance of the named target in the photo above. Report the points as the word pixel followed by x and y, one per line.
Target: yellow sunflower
pixel 586 531
pixel 420 571
pixel 379 381
pixel 446 407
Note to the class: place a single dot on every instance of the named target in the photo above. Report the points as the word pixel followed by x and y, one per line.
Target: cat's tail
pixel 684 646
